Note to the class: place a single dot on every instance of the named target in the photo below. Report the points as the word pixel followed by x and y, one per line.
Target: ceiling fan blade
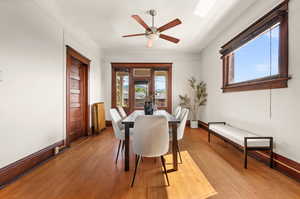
pixel 169 25
pixel 133 35
pixel 169 38
pixel 140 21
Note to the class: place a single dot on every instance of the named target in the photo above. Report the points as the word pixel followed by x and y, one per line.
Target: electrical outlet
pixel 56 150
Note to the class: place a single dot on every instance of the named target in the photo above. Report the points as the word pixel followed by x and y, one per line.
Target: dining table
pixel 129 123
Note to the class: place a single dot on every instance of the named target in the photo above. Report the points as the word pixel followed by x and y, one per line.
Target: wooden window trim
pixel 130 66
pixel 278 15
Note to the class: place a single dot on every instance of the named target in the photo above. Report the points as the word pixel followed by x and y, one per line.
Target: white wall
pixel 271 113
pixel 32 93
pixel 185 65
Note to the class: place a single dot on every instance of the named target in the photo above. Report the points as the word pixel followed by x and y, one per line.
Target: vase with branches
pixel 198 98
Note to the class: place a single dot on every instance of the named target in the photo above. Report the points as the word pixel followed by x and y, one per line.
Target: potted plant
pixel 198 98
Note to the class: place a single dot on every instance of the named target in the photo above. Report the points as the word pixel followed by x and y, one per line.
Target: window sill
pixel 278 82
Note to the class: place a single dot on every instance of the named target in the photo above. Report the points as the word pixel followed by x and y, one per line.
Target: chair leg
pixel 118 151
pixel 137 162
pixel 123 146
pixel 165 170
pixel 179 154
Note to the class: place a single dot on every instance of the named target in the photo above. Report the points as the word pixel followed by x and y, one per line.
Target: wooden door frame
pixel 118 65
pixel 70 52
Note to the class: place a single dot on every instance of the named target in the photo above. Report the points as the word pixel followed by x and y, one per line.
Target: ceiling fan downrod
pixel 153 13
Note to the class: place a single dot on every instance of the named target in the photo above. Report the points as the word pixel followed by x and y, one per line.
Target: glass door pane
pixel 141 91
pixel 122 88
pixel 161 88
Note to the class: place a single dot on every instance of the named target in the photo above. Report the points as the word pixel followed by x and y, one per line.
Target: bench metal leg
pixel 271 159
pixel 245 157
pixel 271 153
pixel 209 136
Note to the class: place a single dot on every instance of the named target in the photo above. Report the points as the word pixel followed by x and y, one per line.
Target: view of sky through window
pixel 160 82
pixel 258 58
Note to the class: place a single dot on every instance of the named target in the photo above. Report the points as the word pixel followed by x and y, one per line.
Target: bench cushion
pixel 237 135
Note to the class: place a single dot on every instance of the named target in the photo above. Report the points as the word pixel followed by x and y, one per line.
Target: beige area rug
pixel 187 183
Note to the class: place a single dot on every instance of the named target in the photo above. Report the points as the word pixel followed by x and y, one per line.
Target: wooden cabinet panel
pixel 98 112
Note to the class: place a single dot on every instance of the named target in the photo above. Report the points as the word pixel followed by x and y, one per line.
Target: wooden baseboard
pixel 188 123
pixel 200 124
pixel 203 125
pixel 108 123
pixel 281 163
pixel 18 168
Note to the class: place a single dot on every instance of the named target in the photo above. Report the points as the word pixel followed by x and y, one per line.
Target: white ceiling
pixel 107 20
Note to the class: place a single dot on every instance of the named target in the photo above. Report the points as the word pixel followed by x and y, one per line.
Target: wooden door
pixel 77 96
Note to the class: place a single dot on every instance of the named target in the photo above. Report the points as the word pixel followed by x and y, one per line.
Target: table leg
pixel 174 146
pixel 127 129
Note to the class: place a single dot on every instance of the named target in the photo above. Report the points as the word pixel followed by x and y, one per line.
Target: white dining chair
pixel 118 128
pixel 177 112
pixel 180 128
pixel 122 112
pixel 151 139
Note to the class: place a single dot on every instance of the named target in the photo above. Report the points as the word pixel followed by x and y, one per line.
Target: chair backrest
pixel 183 118
pixel 122 112
pixel 177 112
pixel 151 135
pixel 115 120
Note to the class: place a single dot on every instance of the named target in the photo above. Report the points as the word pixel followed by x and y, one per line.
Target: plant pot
pixel 194 124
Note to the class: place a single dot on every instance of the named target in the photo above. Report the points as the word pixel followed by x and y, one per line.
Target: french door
pixel 133 82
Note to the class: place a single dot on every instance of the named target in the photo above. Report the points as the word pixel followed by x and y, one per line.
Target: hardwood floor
pixel 87 170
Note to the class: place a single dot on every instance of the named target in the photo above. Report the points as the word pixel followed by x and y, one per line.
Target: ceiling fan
pixel 152 33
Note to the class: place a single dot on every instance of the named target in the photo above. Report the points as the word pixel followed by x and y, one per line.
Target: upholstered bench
pixel 245 140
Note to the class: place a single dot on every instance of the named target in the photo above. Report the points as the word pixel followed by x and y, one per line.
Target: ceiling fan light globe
pixel 153 36
pixel 153 33
pixel 150 43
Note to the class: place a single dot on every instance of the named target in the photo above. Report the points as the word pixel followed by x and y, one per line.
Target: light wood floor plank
pixel 87 170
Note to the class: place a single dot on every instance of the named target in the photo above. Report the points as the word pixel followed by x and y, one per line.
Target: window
pixel 161 88
pixel 142 72
pixel 258 57
pixel 122 88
